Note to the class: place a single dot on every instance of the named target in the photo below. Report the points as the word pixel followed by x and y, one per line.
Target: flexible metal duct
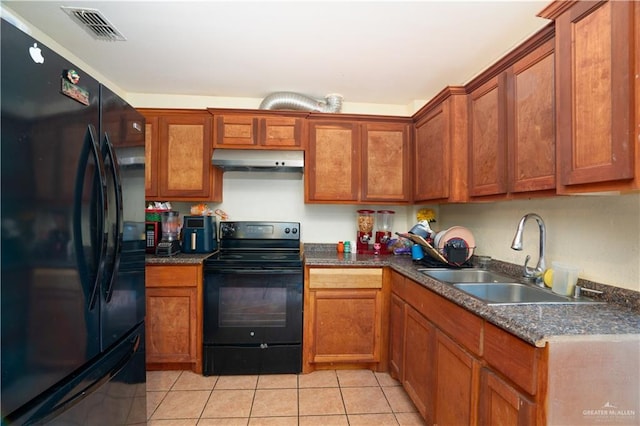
pixel 297 101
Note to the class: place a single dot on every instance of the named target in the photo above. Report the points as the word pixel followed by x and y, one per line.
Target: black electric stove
pixel 253 300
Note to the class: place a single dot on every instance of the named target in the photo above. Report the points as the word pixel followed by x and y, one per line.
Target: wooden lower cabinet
pixel 396 336
pixel 501 403
pixel 456 383
pixel 174 317
pixel 344 308
pixel 418 361
pixel 461 370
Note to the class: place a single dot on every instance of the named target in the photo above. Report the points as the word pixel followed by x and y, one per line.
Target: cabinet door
pixel 396 337
pixel 502 404
pixel 246 131
pixel 240 131
pixel 487 139
pixel 441 149
pixel 531 121
pixel 333 167
pixel 185 169
pixel 171 324
pixel 456 382
pixel 432 162
pixel 418 362
pixel 595 93
pixel 386 168
pixel 283 132
pixel 151 157
pixel 346 325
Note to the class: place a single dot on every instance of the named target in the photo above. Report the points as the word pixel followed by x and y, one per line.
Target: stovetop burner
pixel 257 244
pixel 253 256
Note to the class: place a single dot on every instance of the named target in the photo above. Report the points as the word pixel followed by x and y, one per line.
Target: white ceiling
pixel 383 52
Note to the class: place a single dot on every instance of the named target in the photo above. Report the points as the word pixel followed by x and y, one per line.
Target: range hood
pixel 133 162
pixel 251 160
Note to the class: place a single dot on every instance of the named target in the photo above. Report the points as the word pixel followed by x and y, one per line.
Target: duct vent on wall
pixel 95 23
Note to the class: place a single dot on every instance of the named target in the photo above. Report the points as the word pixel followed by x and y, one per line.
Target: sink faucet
pixel 532 274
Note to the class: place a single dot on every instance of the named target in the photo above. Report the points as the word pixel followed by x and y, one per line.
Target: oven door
pixel 252 306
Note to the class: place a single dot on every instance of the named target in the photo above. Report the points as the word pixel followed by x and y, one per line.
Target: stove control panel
pixel 260 230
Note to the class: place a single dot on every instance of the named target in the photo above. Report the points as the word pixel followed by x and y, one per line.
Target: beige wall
pixel 600 234
pixel 147 100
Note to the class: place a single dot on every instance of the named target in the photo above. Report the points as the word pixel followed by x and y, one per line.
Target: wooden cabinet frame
pixel 358 160
pixel 509 158
pixel 174 317
pixel 453 362
pixel 440 148
pixel 178 148
pixel 345 321
pixel 597 121
pixel 253 129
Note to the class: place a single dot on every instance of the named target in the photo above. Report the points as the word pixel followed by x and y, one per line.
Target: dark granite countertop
pixel 178 259
pixel 536 324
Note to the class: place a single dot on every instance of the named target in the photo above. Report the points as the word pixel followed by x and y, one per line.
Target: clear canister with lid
pixel 365 222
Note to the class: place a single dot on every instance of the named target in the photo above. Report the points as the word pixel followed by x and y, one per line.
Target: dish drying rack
pixel 453 253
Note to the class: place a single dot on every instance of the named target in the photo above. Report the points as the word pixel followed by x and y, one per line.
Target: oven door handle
pixel 253 271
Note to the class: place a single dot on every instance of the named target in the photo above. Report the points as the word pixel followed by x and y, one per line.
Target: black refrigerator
pixel 72 230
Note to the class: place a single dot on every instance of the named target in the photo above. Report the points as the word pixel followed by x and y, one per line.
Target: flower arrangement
pixel 427 215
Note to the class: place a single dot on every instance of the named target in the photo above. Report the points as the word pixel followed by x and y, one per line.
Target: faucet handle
pixel 532 274
pixel 527 273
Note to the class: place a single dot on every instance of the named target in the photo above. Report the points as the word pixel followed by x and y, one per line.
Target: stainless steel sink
pixel 465 275
pixel 507 293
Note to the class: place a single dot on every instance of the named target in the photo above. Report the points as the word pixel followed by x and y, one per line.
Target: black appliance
pixel 73 248
pixel 253 300
pixel 199 234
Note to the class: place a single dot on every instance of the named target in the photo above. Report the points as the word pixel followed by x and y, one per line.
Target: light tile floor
pixel 327 398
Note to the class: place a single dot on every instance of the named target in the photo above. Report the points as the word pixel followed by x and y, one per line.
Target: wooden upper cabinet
pixel 333 162
pixel 349 160
pixel 440 148
pixel 386 170
pixel 151 156
pixel 487 138
pixel 236 130
pixel 185 160
pixel 531 121
pixel 181 140
pixel 254 130
pixel 511 122
pixel 282 132
pixel 597 133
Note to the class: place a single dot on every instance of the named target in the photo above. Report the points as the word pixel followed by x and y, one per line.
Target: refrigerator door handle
pixel 117 180
pixel 90 148
pixel 85 385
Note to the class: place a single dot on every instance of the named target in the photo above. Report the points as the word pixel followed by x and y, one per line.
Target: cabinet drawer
pixel 398 284
pixel 460 324
pixel 173 276
pixel 512 357
pixel 345 278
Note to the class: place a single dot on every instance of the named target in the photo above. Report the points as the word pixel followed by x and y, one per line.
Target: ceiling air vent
pixel 93 21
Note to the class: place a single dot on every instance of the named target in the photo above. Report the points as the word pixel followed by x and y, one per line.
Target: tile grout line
pixel 163 398
pixel 256 387
pixel 208 399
